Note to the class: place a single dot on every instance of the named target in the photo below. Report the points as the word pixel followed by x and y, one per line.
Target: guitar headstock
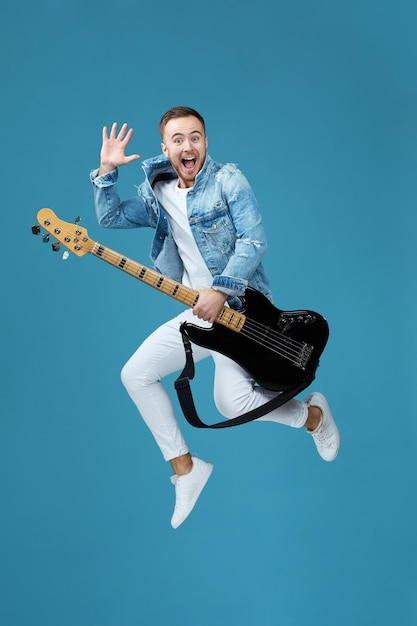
pixel 72 236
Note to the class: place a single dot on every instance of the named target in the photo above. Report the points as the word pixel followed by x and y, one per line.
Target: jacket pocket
pixel 219 232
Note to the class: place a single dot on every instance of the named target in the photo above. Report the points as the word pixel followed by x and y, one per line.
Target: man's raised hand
pixel 113 148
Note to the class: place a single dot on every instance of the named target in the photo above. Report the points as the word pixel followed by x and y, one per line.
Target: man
pixel 209 236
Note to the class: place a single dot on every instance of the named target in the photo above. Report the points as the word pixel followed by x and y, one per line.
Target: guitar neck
pixel 168 286
pixel 227 316
pixel 76 239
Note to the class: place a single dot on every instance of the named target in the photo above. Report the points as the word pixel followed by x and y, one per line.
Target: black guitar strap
pixel 182 386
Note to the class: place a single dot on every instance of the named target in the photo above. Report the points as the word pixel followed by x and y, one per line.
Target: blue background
pixel 317 103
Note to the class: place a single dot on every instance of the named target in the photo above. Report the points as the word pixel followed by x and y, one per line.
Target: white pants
pixel 161 354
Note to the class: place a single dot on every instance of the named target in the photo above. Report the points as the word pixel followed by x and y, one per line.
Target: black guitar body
pixel 279 349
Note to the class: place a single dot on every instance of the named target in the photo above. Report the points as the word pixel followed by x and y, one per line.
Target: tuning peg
pixel 45 238
pixel 36 229
pixel 77 220
pixel 65 255
pixel 56 246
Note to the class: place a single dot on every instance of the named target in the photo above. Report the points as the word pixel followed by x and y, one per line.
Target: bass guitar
pixel 279 349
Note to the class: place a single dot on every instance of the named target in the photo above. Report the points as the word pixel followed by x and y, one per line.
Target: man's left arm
pixel 251 241
pixel 210 303
pixel 250 247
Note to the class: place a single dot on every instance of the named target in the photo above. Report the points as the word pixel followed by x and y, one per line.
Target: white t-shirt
pixel 174 200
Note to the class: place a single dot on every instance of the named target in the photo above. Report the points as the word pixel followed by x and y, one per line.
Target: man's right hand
pixel 113 149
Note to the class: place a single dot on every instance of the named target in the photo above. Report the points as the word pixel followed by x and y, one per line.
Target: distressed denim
pixel 223 214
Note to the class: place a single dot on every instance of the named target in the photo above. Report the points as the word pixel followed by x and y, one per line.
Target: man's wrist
pixel 220 292
pixel 105 168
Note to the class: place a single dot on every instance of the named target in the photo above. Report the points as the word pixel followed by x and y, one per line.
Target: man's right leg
pixel 161 354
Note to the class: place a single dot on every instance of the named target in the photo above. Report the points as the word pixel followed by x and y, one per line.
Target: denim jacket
pixel 223 214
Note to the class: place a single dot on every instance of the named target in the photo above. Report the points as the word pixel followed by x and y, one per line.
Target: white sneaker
pixel 187 489
pixel 326 435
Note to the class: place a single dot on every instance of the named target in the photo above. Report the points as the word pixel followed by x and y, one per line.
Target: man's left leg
pixel 236 393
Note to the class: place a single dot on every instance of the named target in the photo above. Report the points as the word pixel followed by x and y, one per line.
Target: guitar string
pixel 270 335
pixel 271 339
pixel 279 344
pixel 255 331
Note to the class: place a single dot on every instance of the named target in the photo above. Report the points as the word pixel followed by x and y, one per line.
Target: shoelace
pixel 179 497
pixel 321 435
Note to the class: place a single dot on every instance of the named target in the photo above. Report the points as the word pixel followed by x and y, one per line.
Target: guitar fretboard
pixel 227 316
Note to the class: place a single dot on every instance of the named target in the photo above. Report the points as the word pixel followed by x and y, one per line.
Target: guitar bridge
pixel 303 356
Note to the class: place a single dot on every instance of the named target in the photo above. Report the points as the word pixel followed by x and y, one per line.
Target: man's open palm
pixel 113 149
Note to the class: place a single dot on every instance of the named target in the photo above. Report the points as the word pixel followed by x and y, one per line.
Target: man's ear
pixel 164 149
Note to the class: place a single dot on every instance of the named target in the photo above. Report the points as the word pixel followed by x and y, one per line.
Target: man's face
pixel 185 145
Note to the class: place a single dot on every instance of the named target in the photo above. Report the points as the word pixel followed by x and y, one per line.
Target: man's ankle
pixel 314 418
pixel 182 464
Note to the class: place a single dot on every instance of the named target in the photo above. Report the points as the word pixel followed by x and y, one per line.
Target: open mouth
pixel 188 163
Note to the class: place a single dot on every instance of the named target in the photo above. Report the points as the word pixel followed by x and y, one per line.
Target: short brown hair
pixel 179 112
